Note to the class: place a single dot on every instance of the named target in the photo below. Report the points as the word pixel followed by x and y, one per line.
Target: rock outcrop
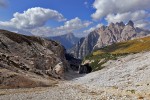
pixel 73 62
pixel 107 35
pixel 86 68
pixel 30 58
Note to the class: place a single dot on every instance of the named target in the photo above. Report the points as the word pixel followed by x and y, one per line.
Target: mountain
pixel 112 52
pixel 67 40
pixel 106 35
pixel 28 61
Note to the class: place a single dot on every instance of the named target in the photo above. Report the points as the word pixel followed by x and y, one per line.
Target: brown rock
pixel 31 56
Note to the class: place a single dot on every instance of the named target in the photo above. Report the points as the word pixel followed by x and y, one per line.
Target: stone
pixel 85 69
pixel 59 70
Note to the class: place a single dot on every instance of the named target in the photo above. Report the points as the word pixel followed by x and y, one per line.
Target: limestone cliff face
pixel 85 45
pixel 30 56
pixel 107 35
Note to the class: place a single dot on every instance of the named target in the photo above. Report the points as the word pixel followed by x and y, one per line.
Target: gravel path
pixel 124 79
pixel 65 91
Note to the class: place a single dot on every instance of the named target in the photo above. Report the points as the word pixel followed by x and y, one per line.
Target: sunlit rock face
pixel 107 35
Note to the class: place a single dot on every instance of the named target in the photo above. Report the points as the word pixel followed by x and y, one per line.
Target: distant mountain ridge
pixel 68 40
pixel 106 35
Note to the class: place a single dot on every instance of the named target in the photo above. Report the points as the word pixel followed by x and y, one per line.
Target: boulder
pixel 59 70
pixel 84 69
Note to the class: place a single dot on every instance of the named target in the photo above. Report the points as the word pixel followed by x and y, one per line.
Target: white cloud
pixel 69 26
pixel 143 24
pixel 123 10
pixel 32 18
pixel 74 24
pixel 43 31
pixel 92 28
pixel 105 7
pixel 138 17
pixel 3 3
pixel 134 16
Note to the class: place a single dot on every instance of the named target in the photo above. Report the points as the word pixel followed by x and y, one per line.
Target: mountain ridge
pixel 107 35
pixel 112 52
pixel 67 40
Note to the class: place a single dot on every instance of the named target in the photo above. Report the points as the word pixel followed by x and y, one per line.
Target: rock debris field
pixel 127 78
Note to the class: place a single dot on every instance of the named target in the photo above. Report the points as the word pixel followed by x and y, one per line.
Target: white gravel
pixel 128 78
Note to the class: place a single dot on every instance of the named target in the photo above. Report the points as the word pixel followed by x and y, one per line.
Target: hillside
pixel 112 52
pixel 28 61
pixel 124 79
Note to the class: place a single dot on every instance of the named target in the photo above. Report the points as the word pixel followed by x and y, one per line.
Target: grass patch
pixel 132 91
pixel 112 52
pixel 100 59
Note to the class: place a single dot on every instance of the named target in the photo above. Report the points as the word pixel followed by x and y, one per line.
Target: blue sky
pixel 69 8
pixel 63 16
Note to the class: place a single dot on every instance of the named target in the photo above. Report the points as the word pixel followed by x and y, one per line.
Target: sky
pixel 58 17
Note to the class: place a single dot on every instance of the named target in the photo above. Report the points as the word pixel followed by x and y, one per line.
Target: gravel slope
pixel 128 78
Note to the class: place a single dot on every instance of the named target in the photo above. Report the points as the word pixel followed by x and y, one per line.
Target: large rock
pixel 84 69
pixel 30 56
pixel 73 62
pixel 59 70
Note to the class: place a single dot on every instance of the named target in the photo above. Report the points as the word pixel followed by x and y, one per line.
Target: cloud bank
pixel 32 18
pixel 122 10
pixel 69 26
pixel 105 7
pixel 92 28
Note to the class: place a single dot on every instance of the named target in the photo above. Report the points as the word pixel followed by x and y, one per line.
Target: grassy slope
pixel 112 52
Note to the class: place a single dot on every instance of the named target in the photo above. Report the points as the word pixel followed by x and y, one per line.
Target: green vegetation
pixel 116 50
pixel 132 91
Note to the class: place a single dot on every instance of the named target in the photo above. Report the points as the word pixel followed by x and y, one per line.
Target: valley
pixel 35 68
pixel 74 49
pixel 124 79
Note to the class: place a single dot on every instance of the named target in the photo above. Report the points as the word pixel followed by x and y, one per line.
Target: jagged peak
pixel 70 35
pixel 111 24
pixel 103 27
pixel 130 23
pixel 120 23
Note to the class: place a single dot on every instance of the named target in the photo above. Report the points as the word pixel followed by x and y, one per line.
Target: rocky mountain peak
pixel 102 28
pixel 67 40
pixel 111 25
pixel 107 35
pixel 120 24
pixel 70 35
pixel 130 23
